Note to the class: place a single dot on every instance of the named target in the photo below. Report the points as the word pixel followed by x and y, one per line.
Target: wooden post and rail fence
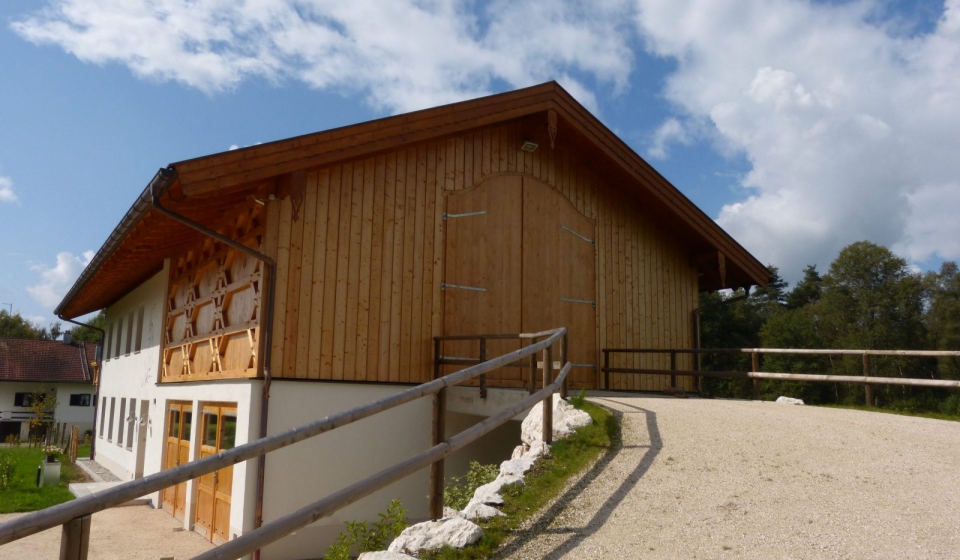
pixel 75 516
pixel 867 380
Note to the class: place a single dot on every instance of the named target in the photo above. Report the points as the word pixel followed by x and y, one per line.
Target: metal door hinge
pixel 580 235
pixel 573 300
pixel 444 286
pixel 464 215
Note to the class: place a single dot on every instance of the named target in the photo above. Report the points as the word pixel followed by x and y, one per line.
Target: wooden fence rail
pixel 74 516
pixel 756 375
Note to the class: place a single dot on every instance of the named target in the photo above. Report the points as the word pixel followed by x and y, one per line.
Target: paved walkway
pixel 124 533
pixel 732 479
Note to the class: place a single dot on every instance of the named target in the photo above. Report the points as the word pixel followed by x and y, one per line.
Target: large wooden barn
pixel 511 213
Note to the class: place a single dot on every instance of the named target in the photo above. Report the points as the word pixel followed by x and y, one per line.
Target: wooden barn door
pixel 519 258
pixel 482 269
pixel 179 424
pixel 559 275
pixel 218 430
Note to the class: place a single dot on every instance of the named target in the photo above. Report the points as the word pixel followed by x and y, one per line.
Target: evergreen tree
pixel 808 290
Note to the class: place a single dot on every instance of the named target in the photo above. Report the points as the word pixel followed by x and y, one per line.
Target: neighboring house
pixel 511 213
pixel 30 367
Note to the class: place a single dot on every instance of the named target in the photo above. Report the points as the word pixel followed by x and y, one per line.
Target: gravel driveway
pixel 123 533
pixel 733 479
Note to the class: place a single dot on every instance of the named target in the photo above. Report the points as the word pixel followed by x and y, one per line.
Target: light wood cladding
pixel 359 273
pixel 213 307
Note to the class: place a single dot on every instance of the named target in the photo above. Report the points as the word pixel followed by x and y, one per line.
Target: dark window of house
pixel 138 340
pixel 113 407
pixel 129 345
pixel 103 414
pixel 106 351
pixel 80 399
pixel 23 399
pixel 116 346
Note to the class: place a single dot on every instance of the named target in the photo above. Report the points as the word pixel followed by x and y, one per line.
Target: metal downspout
pixel 696 330
pixel 96 394
pixel 160 183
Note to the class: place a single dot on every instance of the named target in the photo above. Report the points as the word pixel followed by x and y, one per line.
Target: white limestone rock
pixel 536 450
pixel 479 510
pixel 518 452
pixel 515 467
pixel 434 535
pixel 490 493
pixel 384 555
pixel 566 419
pixel 789 400
pixel 450 512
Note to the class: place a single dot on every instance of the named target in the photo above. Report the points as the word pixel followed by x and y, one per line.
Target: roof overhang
pixel 207 189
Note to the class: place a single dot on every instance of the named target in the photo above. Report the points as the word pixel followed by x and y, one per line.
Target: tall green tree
pixel 808 290
pixel 87 334
pixel 943 317
pixel 15 326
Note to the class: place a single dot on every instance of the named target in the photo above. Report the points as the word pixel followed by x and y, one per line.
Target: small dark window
pixel 106 351
pixel 129 334
pixel 23 399
pixel 138 341
pixel 116 341
pixel 81 399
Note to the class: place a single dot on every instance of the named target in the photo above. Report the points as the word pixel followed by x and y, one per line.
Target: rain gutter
pixel 160 183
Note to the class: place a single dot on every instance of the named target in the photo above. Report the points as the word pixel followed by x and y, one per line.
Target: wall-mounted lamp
pixel 529 146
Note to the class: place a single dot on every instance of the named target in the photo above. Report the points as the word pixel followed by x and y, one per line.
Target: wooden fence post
pixel 75 539
pixel 563 362
pixel 755 362
pixel 606 369
pixel 867 389
pixel 533 369
pixel 548 402
pixel 673 367
pixel 74 443
pixel 483 377
pixel 436 468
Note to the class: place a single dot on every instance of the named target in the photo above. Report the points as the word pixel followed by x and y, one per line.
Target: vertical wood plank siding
pixel 358 295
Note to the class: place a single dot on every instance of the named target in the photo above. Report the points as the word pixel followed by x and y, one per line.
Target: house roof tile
pixel 47 361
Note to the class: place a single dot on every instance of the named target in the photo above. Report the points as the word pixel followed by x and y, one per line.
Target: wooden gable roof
pixel 208 188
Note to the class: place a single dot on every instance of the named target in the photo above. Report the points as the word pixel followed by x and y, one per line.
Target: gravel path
pixel 733 479
pixel 123 533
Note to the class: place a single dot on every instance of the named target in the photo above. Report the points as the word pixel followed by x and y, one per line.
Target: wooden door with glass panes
pixel 177 452
pixel 218 431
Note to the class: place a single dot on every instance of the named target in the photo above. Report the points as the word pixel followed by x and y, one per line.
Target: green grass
pixel 23 494
pixel 920 414
pixel 544 482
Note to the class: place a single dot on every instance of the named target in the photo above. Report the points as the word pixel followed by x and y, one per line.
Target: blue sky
pixel 799 126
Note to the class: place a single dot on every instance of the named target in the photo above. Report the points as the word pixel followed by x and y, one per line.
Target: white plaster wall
pixel 81 416
pixel 307 471
pixel 133 375
pixel 246 395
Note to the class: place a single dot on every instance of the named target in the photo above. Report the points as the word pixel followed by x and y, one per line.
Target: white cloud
pixel 401 55
pixel 671 131
pixel 56 280
pixel 6 190
pixel 849 126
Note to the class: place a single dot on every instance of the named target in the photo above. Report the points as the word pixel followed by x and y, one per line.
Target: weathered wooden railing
pixel 440 359
pixel 756 375
pixel 75 516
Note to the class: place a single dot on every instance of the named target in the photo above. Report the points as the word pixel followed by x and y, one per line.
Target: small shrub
pixel 13 439
pixel 369 538
pixel 951 405
pixel 8 469
pixel 462 488
pixel 578 399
